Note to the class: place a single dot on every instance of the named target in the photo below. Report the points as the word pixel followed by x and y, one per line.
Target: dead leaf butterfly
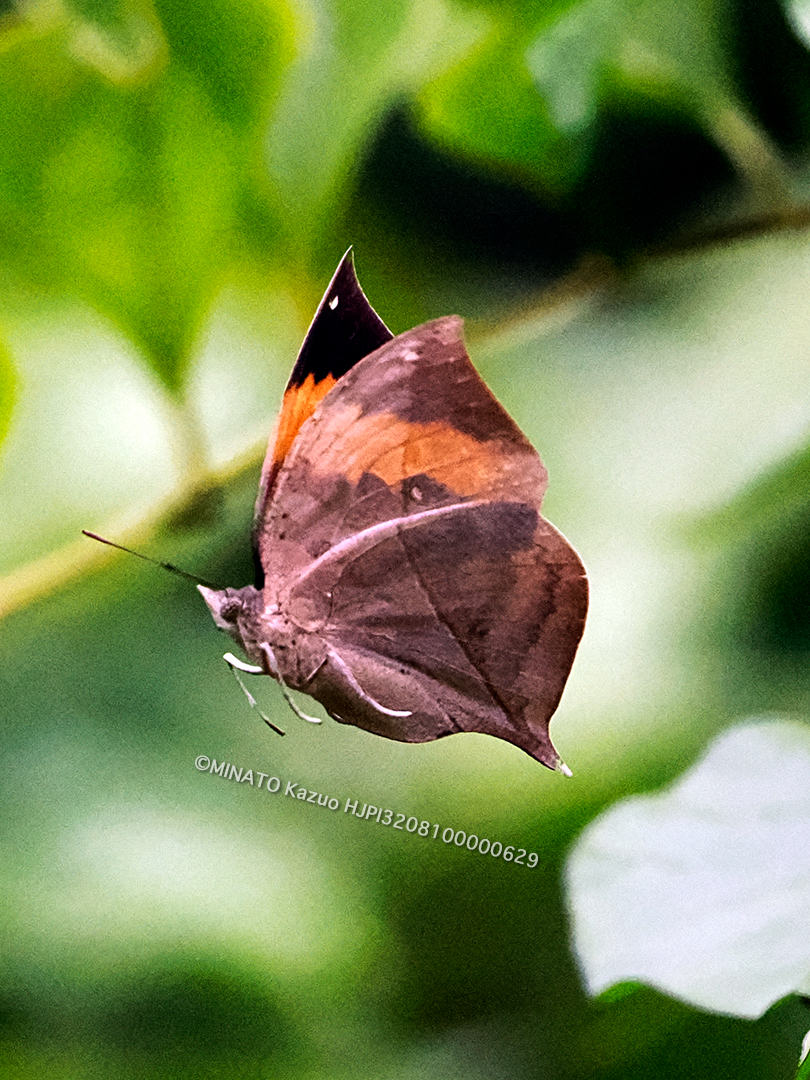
pixel 405 577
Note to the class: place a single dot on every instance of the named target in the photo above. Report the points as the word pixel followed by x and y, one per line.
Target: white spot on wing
pixel 333 303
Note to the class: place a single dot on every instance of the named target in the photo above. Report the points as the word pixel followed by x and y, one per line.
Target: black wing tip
pixel 345 328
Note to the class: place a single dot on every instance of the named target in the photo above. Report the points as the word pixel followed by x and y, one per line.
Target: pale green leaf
pixel 122 39
pixel 703 890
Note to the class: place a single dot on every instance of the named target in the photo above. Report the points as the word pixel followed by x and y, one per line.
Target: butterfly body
pixel 408 581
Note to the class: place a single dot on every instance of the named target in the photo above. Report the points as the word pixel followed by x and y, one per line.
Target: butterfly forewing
pixel 414 415
pixel 345 328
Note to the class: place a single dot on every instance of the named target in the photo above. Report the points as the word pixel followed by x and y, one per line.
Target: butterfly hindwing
pixel 466 641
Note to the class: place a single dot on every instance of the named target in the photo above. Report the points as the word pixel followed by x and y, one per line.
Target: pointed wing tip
pixel 549 757
pixel 554 762
pixel 346 266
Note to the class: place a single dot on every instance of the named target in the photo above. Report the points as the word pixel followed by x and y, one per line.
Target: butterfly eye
pixel 230 609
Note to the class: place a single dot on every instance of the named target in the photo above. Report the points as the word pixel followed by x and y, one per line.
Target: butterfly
pixel 405 578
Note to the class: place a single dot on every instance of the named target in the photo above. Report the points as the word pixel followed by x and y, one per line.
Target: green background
pixel 612 195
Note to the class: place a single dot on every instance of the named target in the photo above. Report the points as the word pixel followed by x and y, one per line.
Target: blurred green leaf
pixel 195 1016
pixel 528 101
pixel 798 12
pixel 487 108
pixel 122 39
pixel 7 392
pixel 354 64
pixel 569 60
pixel 702 891
pixel 777 493
pixel 239 51
pixel 757 552
pixel 137 196
pixel 134 197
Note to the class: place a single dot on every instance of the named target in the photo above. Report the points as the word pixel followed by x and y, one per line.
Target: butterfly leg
pixel 236 666
pixel 341 665
pixel 234 662
pixel 274 671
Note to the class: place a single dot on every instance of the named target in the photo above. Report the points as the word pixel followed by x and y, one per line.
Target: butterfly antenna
pixel 156 562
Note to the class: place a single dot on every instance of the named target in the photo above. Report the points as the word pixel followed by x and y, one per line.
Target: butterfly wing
pixel 468 637
pixel 404 530
pixel 345 328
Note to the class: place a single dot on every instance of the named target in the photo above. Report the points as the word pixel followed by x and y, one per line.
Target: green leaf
pixel 353 66
pixel 139 199
pixel 776 493
pixel 528 102
pixel 121 39
pixel 798 13
pixel 91 441
pixel 135 195
pixel 487 109
pixel 237 50
pixel 7 392
pixel 703 890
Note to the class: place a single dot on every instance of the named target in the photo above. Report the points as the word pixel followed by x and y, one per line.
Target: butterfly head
pixel 234 610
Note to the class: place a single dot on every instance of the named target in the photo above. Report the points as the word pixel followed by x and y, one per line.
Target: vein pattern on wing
pixel 366 539
pixel 491 689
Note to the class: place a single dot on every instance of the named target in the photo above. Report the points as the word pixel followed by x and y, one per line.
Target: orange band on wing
pixel 393 449
pixel 299 403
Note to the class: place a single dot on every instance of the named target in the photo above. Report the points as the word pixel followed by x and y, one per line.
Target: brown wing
pixel 344 329
pixel 405 530
pixel 414 408
pixel 472 622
